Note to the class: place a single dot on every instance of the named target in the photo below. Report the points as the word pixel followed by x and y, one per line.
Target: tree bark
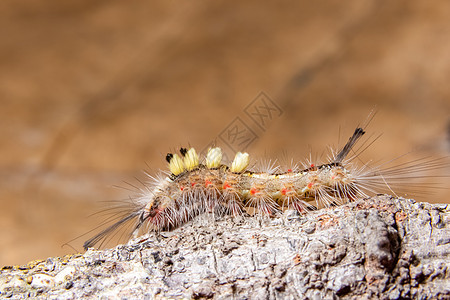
pixel 381 247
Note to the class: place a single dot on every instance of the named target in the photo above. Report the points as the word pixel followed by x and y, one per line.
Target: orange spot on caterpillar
pixel 181 188
pixel 289 170
pixel 284 191
pixel 254 191
pixel 226 185
pixel 310 185
pixel 207 182
pixel 193 184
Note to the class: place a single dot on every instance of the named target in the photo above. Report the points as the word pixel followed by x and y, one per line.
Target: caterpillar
pixel 196 186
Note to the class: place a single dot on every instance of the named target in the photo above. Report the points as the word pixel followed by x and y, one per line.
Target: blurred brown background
pixel 93 91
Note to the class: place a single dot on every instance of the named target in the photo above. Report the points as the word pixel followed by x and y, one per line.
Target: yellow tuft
pixel 191 159
pixel 240 162
pixel 176 165
pixel 214 157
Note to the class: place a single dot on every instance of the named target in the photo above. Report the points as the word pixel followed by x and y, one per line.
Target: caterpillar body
pixel 194 187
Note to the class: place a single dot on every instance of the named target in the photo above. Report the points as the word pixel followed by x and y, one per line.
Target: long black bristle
pixel 359 132
pixel 94 240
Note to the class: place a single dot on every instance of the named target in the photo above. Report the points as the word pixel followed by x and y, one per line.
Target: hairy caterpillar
pixel 195 187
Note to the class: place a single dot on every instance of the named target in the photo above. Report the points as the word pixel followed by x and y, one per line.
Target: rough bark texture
pixel 382 247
